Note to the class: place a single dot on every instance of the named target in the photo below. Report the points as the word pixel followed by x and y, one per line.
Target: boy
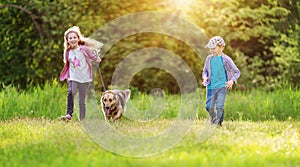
pixel 219 74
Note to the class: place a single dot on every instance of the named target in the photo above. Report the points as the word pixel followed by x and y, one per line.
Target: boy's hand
pixel 204 80
pixel 229 84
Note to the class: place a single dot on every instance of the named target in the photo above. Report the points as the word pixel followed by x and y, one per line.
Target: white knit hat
pixel 214 41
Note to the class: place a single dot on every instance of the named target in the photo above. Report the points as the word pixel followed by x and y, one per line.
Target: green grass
pixel 261 129
pixel 259 105
pixel 49 101
pixel 46 142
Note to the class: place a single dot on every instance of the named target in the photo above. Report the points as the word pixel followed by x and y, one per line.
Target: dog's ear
pixel 116 98
pixel 102 99
pixel 127 94
pixel 107 91
pixel 103 95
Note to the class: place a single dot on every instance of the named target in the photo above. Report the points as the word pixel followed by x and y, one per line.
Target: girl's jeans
pixel 215 98
pixel 82 88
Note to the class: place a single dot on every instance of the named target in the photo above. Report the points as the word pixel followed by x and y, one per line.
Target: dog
pixel 114 103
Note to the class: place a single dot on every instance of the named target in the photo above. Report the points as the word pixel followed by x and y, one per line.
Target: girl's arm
pixel 89 53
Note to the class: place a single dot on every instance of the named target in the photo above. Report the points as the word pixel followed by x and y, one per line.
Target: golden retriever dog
pixel 114 103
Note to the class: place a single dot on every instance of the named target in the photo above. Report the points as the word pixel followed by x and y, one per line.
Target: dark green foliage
pixel 262 38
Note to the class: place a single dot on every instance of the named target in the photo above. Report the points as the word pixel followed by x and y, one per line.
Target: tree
pixel 261 36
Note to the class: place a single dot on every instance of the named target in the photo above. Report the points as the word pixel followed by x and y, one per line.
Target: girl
pixel 78 68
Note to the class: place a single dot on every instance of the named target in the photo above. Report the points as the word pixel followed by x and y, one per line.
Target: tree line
pixel 262 37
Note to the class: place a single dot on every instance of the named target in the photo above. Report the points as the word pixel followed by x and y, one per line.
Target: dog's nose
pixel 107 108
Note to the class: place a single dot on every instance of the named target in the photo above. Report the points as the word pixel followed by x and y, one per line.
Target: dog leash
pixel 98 69
pixel 101 78
pixel 102 82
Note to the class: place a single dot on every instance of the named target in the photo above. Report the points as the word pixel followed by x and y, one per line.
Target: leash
pixel 102 82
pixel 101 78
pixel 98 69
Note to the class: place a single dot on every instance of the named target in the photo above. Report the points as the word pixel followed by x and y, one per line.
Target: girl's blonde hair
pixel 94 45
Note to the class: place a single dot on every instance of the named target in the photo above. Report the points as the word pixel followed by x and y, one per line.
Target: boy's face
pixel 217 50
pixel 73 39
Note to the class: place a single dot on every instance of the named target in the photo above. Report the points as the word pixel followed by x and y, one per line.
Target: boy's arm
pixel 236 71
pixel 205 73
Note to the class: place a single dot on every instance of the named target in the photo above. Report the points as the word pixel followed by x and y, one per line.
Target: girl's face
pixel 73 40
pixel 217 50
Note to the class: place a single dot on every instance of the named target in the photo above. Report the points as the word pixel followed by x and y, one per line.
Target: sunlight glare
pixel 181 4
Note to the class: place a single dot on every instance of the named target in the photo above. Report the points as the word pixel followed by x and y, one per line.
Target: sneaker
pixel 213 120
pixel 67 117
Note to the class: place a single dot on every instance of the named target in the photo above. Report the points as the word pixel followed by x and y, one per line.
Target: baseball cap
pixel 214 41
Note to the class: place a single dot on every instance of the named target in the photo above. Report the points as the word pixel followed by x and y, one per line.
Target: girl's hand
pixel 229 84
pixel 98 60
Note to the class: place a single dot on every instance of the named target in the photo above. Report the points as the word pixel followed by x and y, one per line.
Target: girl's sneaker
pixel 67 117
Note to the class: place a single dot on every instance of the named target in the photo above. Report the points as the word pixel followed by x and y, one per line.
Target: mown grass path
pixel 46 142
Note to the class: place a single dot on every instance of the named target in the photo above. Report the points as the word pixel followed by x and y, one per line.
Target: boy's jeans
pixel 215 98
pixel 82 88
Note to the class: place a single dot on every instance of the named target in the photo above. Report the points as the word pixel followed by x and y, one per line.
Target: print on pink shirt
pixel 76 62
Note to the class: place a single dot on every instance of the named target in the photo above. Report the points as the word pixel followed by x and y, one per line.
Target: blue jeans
pixel 215 99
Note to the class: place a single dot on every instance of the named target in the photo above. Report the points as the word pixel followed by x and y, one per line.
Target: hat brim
pixel 210 46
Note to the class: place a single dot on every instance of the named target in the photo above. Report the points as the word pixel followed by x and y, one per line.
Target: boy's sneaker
pixel 213 120
pixel 67 117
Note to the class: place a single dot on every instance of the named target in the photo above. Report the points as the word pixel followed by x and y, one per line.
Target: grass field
pixel 256 105
pixel 260 129
pixel 46 142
